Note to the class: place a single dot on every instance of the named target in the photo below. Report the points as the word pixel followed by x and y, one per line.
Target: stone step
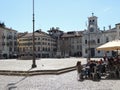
pixel 36 72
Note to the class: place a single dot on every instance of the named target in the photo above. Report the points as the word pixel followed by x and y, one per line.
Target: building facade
pixel 94 37
pixel 58 43
pixel 68 44
pixel 45 45
pixel 56 33
pixel 8 42
pixel 71 44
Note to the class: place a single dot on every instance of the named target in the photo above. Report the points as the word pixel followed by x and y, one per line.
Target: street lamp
pixel 34 61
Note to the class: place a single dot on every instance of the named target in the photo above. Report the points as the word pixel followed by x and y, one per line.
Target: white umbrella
pixel 112 45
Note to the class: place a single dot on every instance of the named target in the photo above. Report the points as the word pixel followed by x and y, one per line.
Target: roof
pixel 118 24
pixel 111 30
pixel 35 33
pixel 10 29
pixel 71 34
pixel 55 30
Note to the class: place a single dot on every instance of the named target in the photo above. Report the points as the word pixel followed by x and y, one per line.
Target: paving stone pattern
pixel 66 81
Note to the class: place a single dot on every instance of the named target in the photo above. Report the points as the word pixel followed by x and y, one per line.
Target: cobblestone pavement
pixel 42 64
pixel 66 81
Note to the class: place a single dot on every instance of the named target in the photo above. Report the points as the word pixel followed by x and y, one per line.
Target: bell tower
pixel 92 23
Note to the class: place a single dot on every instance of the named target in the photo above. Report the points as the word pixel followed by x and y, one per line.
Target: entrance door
pixel 92 52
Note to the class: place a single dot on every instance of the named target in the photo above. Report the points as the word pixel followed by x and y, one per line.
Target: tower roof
pixel 92 16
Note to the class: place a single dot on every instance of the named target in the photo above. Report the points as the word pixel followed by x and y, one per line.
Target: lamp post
pixel 34 61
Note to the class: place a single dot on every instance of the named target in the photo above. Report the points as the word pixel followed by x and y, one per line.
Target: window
pixel 107 39
pixel 43 49
pixel 23 49
pixel 80 47
pixel 98 41
pixel 86 51
pixel 85 41
pixel 98 51
pixel 72 47
pixel 10 49
pixel 38 38
pixel 35 49
pixel 90 21
pixel 48 49
pixel 38 48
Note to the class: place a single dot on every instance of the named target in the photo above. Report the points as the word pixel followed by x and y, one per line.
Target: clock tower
pixel 92 23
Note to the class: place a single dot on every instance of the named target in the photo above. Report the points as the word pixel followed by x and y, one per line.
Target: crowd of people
pixel 95 69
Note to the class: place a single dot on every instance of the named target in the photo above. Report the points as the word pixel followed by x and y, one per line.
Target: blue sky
pixel 68 15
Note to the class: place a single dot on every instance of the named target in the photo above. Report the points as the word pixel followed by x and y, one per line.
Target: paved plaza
pixel 65 81
pixel 42 64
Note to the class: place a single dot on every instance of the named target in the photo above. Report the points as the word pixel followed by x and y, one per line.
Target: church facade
pixel 94 37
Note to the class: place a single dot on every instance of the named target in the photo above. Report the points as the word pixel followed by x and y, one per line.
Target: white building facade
pixel 8 42
pixel 93 37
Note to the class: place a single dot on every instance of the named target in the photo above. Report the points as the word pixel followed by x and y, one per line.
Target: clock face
pixel 91 29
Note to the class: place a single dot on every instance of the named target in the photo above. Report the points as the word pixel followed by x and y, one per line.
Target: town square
pixel 59 45
pixel 51 81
